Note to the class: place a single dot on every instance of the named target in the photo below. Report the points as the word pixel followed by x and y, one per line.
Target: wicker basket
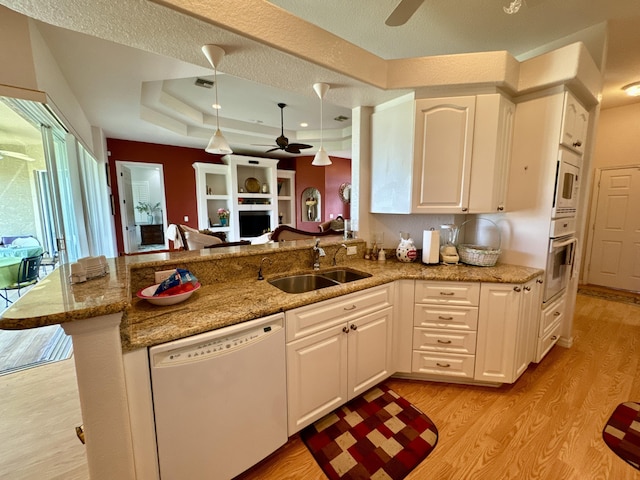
pixel 480 255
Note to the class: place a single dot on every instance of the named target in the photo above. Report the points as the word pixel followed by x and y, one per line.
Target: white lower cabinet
pixel 336 350
pixel 549 328
pixel 505 325
pixel 474 331
pixel 445 323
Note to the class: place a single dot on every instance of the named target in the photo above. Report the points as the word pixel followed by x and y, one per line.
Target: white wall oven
pixel 560 258
pixel 565 197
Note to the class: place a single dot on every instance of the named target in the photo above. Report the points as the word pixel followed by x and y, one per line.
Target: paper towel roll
pixel 431 246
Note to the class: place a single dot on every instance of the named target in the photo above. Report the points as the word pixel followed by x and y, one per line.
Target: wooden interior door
pixel 615 253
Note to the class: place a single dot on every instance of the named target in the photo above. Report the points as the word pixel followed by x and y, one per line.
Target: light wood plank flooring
pixel 547 426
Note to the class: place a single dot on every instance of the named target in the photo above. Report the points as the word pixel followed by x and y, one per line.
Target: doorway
pixel 143 206
pixel 615 256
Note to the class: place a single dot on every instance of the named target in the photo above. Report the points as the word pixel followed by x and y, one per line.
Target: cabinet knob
pixel 555 337
pixel 556 314
pixel 464 209
pixel 539 280
pixel 443 365
pixel 354 326
pixel 517 289
pixel 345 330
pixel 500 208
pixel 577 144
pixel 528 289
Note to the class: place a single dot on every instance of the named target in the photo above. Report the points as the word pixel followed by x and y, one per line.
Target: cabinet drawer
pixel 435 316
pixel 550 315
pixel 546 342
pixel 310 319
pixel 447 364
pixel 452 293
pixel 450 341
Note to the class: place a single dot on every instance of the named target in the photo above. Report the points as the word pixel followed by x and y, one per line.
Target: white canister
pixel 431 246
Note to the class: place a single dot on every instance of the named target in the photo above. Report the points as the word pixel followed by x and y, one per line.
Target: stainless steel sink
pixel 307 282
pixel 302 283
pixel 345 275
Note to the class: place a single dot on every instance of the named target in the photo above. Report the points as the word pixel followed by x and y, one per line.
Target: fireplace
pixel 254 224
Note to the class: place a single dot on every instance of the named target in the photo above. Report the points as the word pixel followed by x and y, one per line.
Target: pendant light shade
pixel 322 158
pixel 218 144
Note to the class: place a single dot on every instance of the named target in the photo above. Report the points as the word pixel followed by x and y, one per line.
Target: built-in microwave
pixel 565 196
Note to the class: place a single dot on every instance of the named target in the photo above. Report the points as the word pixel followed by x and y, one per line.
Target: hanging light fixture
pixel 217 144
pixel 321 159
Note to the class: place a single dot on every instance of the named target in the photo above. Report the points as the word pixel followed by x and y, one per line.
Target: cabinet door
pixel 575 121
pixel 527 329
pixel 492 139
pixel 316 376
pixel 498 323
pixel 443 148
pixel 370 359
pixel 392 158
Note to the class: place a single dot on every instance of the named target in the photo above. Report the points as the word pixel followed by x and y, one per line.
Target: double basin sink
pixel 307 282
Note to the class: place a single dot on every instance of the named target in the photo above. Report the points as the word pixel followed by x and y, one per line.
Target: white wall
pixel 618 137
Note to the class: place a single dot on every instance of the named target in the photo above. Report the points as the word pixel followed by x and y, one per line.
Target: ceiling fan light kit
pixel 218 144
pixel 633 89
pixel 322 158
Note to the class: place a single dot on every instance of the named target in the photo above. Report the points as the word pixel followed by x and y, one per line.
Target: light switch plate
pixel 162 275
pixel 353 250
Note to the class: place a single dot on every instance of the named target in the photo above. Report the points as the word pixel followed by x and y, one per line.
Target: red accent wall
pixel 180 180
pixel 179 177
pixel 327 180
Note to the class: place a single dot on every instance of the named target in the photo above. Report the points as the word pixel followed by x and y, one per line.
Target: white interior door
pixel 615 252
pixel 127 211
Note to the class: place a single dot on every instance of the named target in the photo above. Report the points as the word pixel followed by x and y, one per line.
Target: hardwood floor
pixel 547 426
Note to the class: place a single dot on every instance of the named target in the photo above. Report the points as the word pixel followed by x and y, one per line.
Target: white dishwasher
pixel 220 399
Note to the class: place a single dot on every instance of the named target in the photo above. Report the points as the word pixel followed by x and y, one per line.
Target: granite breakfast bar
pixel 112 328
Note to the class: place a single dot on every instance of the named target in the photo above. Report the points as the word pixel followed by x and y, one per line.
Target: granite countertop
pixel 230 291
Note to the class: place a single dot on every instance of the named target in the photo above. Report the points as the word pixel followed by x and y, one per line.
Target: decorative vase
pixel 406 250
pixel 223 222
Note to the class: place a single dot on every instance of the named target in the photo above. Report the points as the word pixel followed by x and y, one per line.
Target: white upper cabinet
pixel 575 122
pixel 442 155
pixel 443 147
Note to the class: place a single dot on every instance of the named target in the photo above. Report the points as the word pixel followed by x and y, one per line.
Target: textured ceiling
pixel 131 57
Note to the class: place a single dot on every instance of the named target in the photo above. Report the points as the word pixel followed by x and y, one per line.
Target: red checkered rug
pixel 378 435
pixel 622 433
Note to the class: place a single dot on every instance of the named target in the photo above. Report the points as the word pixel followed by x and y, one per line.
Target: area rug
pixel 611 294
pixel 378 435
pixel 622 433
pixel 58 347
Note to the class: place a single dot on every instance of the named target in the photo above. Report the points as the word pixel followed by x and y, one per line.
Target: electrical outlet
pixel 186 218
pixel 353 250
pixel 162 275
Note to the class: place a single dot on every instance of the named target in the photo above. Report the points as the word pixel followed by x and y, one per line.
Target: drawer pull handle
pixel 440 317
pixel 528 289
pixel 443 365
pixel 345 329
pixel 556 314
pixel 446 342
pixel 354 326
pixel 352 307
pixel 448 293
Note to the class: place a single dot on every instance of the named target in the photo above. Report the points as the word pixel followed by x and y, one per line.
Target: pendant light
pixel 321 159
pixel 218 144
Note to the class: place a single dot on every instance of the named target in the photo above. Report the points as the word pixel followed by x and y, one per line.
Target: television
pixel 254 224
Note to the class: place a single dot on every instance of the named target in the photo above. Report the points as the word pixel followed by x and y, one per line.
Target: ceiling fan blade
pixel 290 149
pixel 300 146
pixel 273 149
pixel 19 156
pixel 403 12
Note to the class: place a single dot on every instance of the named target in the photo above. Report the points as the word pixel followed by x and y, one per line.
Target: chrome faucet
pixel 317 253
pixel 336 253
pixel 268 260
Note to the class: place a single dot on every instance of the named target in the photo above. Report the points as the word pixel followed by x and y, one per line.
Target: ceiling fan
pixel 406 8
pixel 19 156
pixel 282 142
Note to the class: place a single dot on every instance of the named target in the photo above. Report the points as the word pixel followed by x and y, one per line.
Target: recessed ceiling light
pixel 633 89
pixel 304 124
pixel 216 106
